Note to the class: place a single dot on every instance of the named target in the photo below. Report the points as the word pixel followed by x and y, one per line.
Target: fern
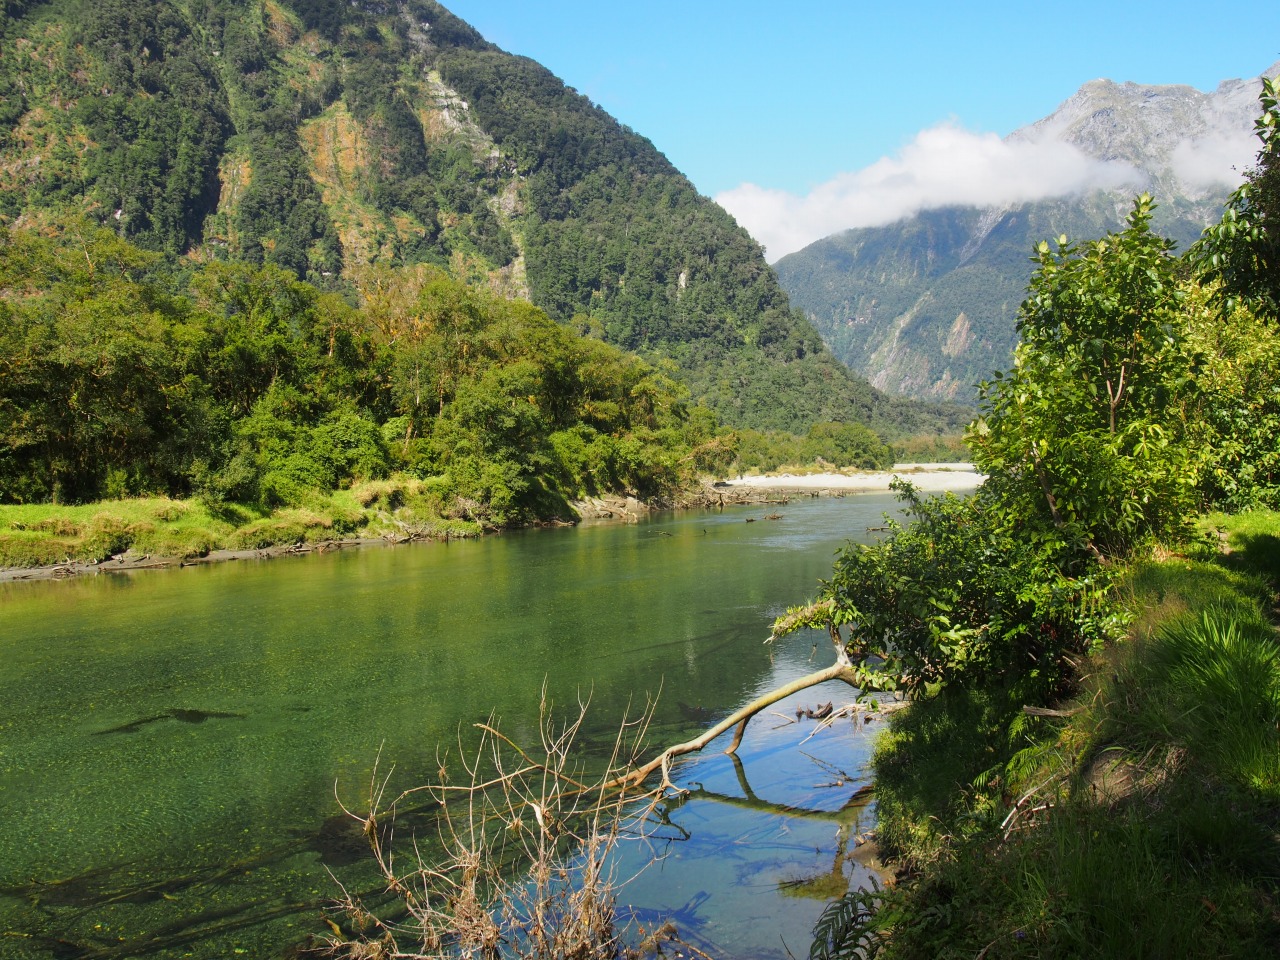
pixel 850 928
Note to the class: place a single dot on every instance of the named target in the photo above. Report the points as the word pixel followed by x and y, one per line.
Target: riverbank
pixel 1139 816
pixel 928 477
pixel 54 543
pixel 130 562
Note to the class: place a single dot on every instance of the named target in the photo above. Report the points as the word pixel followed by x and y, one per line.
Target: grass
pixel 1145 826
pixel 38 535
pixel 34 535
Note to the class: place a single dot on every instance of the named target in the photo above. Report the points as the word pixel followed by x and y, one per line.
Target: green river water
pixel 173 743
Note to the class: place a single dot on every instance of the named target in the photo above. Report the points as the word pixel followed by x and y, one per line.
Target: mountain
pixel 327 136
pixel 926 307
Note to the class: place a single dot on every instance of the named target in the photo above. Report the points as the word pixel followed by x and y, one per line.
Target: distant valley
pixel 926 307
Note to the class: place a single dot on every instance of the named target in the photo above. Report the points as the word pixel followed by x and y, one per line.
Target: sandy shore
pixel 929 477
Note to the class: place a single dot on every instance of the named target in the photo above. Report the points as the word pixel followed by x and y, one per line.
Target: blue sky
pixel 787 96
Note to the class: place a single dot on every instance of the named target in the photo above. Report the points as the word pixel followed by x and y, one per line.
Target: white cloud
pixel 942 166
pixel 1216 160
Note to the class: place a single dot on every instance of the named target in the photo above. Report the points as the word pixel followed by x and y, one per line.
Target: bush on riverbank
pixel 960 598
pixel 127 376
pixel 1134 812
pixel 1143 825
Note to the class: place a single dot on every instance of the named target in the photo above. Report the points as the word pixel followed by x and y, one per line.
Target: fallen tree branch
pixel 837 671
pixel 853 710
pixel 514 807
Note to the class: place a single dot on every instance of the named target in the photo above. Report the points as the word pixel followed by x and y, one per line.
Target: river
pixel 174 744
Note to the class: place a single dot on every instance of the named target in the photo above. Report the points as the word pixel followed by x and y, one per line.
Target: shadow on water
pixel 201 906
pixel 204 904
pixel 182 716
pixel 62 904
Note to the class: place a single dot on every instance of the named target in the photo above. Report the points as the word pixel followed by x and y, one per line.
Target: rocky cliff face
pixel 927 306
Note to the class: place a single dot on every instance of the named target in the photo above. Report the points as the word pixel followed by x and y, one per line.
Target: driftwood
pixel 532 806
pixel 738 719
pixel 842 669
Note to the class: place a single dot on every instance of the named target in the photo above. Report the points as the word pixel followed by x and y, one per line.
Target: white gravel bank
pixel 929 477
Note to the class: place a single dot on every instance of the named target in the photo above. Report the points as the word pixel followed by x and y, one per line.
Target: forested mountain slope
pixel 323 137
pixel 926 307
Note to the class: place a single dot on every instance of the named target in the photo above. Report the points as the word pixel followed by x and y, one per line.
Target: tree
pixel 1235 411
pixel 956 598
pixel 847 445
pixel 1242 251
pixel 1081 436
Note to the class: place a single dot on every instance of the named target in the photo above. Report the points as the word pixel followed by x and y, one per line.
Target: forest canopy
pixel 124 376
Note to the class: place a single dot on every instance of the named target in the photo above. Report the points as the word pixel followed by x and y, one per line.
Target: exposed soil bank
pixel 631 509
pixel 781 488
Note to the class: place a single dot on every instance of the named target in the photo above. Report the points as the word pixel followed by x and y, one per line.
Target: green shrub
pixel 1219 683
pixel 107 535
pixel 959 598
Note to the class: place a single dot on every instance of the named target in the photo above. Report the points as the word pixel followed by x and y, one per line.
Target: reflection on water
pixel 764 839
pixel 173 745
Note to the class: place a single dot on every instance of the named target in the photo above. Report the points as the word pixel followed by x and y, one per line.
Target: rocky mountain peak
pixel 1173 138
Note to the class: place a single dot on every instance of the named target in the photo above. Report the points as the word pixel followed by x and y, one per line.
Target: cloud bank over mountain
pixel 1189 142
pixel 1214 161
pixel 943 166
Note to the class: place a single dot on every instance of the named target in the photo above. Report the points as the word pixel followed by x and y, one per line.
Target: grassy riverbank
pixel 34 536
pixel 40 535
pixel 1144 822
